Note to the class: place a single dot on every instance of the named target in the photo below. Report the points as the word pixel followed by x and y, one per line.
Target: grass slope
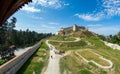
pixel 36 62
pixel 87 54
pixel 83 34
pixel 72 64
pixel 62 38
pixel 69 45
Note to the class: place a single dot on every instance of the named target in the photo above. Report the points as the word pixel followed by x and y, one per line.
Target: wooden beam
pixel 9 7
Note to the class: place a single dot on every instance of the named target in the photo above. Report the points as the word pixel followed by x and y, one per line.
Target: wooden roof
pixel 9 7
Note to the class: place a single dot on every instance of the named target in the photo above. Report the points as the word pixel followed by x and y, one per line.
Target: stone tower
pixel 74 27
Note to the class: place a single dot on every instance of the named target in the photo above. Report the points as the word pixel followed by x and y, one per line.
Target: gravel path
pixel 76 40
pixel 53 65
pixel 100 57
pixel 114 46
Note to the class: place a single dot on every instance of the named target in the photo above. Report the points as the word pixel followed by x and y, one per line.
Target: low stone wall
pixel 13 65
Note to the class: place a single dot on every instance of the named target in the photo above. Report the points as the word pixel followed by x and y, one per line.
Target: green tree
pixel 13 22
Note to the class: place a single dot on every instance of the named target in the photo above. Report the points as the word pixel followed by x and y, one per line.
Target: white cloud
pixel 40 28
pixel 94 25
pixel 66 4
pixel 54 23
pixel 110 8
pixel 30 9
pixel 36 17
pixel 56 4
pixel 105 30
pixel 32 16
pixel 89 17
pixel 48 26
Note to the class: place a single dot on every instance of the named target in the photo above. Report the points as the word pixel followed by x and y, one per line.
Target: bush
pixel 85 72
pixel 2 61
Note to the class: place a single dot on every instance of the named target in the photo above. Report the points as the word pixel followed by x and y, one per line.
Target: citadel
pixel 70 30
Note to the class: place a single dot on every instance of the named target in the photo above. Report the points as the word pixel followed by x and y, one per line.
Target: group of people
pixel 56 52
pixel 59 52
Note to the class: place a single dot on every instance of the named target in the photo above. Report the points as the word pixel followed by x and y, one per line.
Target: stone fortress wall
pixel 69 30
pixel 12 66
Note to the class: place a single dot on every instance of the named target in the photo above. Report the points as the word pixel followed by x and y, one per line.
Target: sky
pixel 99 16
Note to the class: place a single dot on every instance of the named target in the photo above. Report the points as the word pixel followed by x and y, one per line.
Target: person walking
pixel 51 56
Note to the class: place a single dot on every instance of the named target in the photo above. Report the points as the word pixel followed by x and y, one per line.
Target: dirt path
pixel 53 65
pixel 113 46
pixel 100 57
pixel 76 40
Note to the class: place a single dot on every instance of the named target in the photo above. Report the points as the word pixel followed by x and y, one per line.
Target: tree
pixel 102 37
pixel 9 36
pixel 114 38
pixel 13 22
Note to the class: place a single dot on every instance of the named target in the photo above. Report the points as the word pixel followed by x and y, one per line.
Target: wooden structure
pixel 9 7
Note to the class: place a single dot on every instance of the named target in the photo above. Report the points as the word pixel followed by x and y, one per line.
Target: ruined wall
pixel 74 28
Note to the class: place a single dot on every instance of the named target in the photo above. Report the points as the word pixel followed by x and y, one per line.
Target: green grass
pixel 66 65
pixel 75 65
pixel 97 46
pixel 36 62
pixel 87 54
pixel 62 38
pixel 71 64
pixel 44 44
pixel 69 45
pixel 2 61
pixel 83 34
pixel 84 72
pixel 107 52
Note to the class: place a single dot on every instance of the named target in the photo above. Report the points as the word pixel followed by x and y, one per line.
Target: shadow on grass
pixel 84 71
pixel 26 64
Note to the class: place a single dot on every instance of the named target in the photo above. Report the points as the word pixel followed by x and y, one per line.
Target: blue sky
pixel 99 16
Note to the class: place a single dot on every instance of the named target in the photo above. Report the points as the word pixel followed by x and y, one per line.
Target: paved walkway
pixel 53 65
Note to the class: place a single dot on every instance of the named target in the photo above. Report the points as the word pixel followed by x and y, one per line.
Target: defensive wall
pixel 13 65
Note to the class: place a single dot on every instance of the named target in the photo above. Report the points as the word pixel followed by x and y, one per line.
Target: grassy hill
pixel 62 38
pixel 83 34
pixel 75 65
pixel 72 64
pixel 71 36
pixel 69 45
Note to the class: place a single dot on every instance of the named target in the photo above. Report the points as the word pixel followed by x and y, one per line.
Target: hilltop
pixel 75 51
pixel 75 31
pixel 70 30
pixel 84 56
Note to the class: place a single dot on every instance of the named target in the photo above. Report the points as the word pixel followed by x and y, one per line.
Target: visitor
pixel 51 56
